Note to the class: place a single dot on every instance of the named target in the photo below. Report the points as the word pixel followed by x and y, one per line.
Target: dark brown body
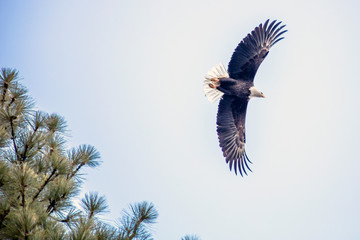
pixel 235 87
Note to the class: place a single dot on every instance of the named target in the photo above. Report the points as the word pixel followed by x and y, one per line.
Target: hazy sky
pixel 128 75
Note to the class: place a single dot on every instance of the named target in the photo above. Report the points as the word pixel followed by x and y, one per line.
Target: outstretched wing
pixel 231 131
pixel 252 50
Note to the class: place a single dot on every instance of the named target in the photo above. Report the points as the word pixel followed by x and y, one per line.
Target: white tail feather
pixel 218 71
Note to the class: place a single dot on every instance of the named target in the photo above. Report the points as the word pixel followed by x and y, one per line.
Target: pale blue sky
pixel 127 76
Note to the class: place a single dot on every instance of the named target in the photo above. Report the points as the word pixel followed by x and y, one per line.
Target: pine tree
pixel 39 177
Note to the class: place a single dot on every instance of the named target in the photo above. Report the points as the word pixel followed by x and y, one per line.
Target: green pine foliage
pixel 190 237
pixel 39 177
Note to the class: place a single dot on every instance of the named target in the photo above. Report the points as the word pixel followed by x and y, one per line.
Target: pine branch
pixel 3 216
pixel 76 170
pixel 6 85
pixel 26 148
pixel 11 102
pixel 13 138
pixel 44 184
pixel 134 224
pixel 93 204
pixel 135 229
pixel 5 88
pixel 23 155
pixel 51 208
pixel 22 192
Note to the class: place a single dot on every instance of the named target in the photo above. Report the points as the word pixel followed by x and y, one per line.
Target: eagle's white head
pixel 255 93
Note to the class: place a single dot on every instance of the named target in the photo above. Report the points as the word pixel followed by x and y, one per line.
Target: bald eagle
pixel 235 87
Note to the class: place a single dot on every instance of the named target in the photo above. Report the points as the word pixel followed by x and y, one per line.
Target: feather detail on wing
pixel 252 50
pixel 217 71
pixel 231 132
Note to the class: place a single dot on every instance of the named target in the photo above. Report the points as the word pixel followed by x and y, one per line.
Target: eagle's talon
pixel 215 82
